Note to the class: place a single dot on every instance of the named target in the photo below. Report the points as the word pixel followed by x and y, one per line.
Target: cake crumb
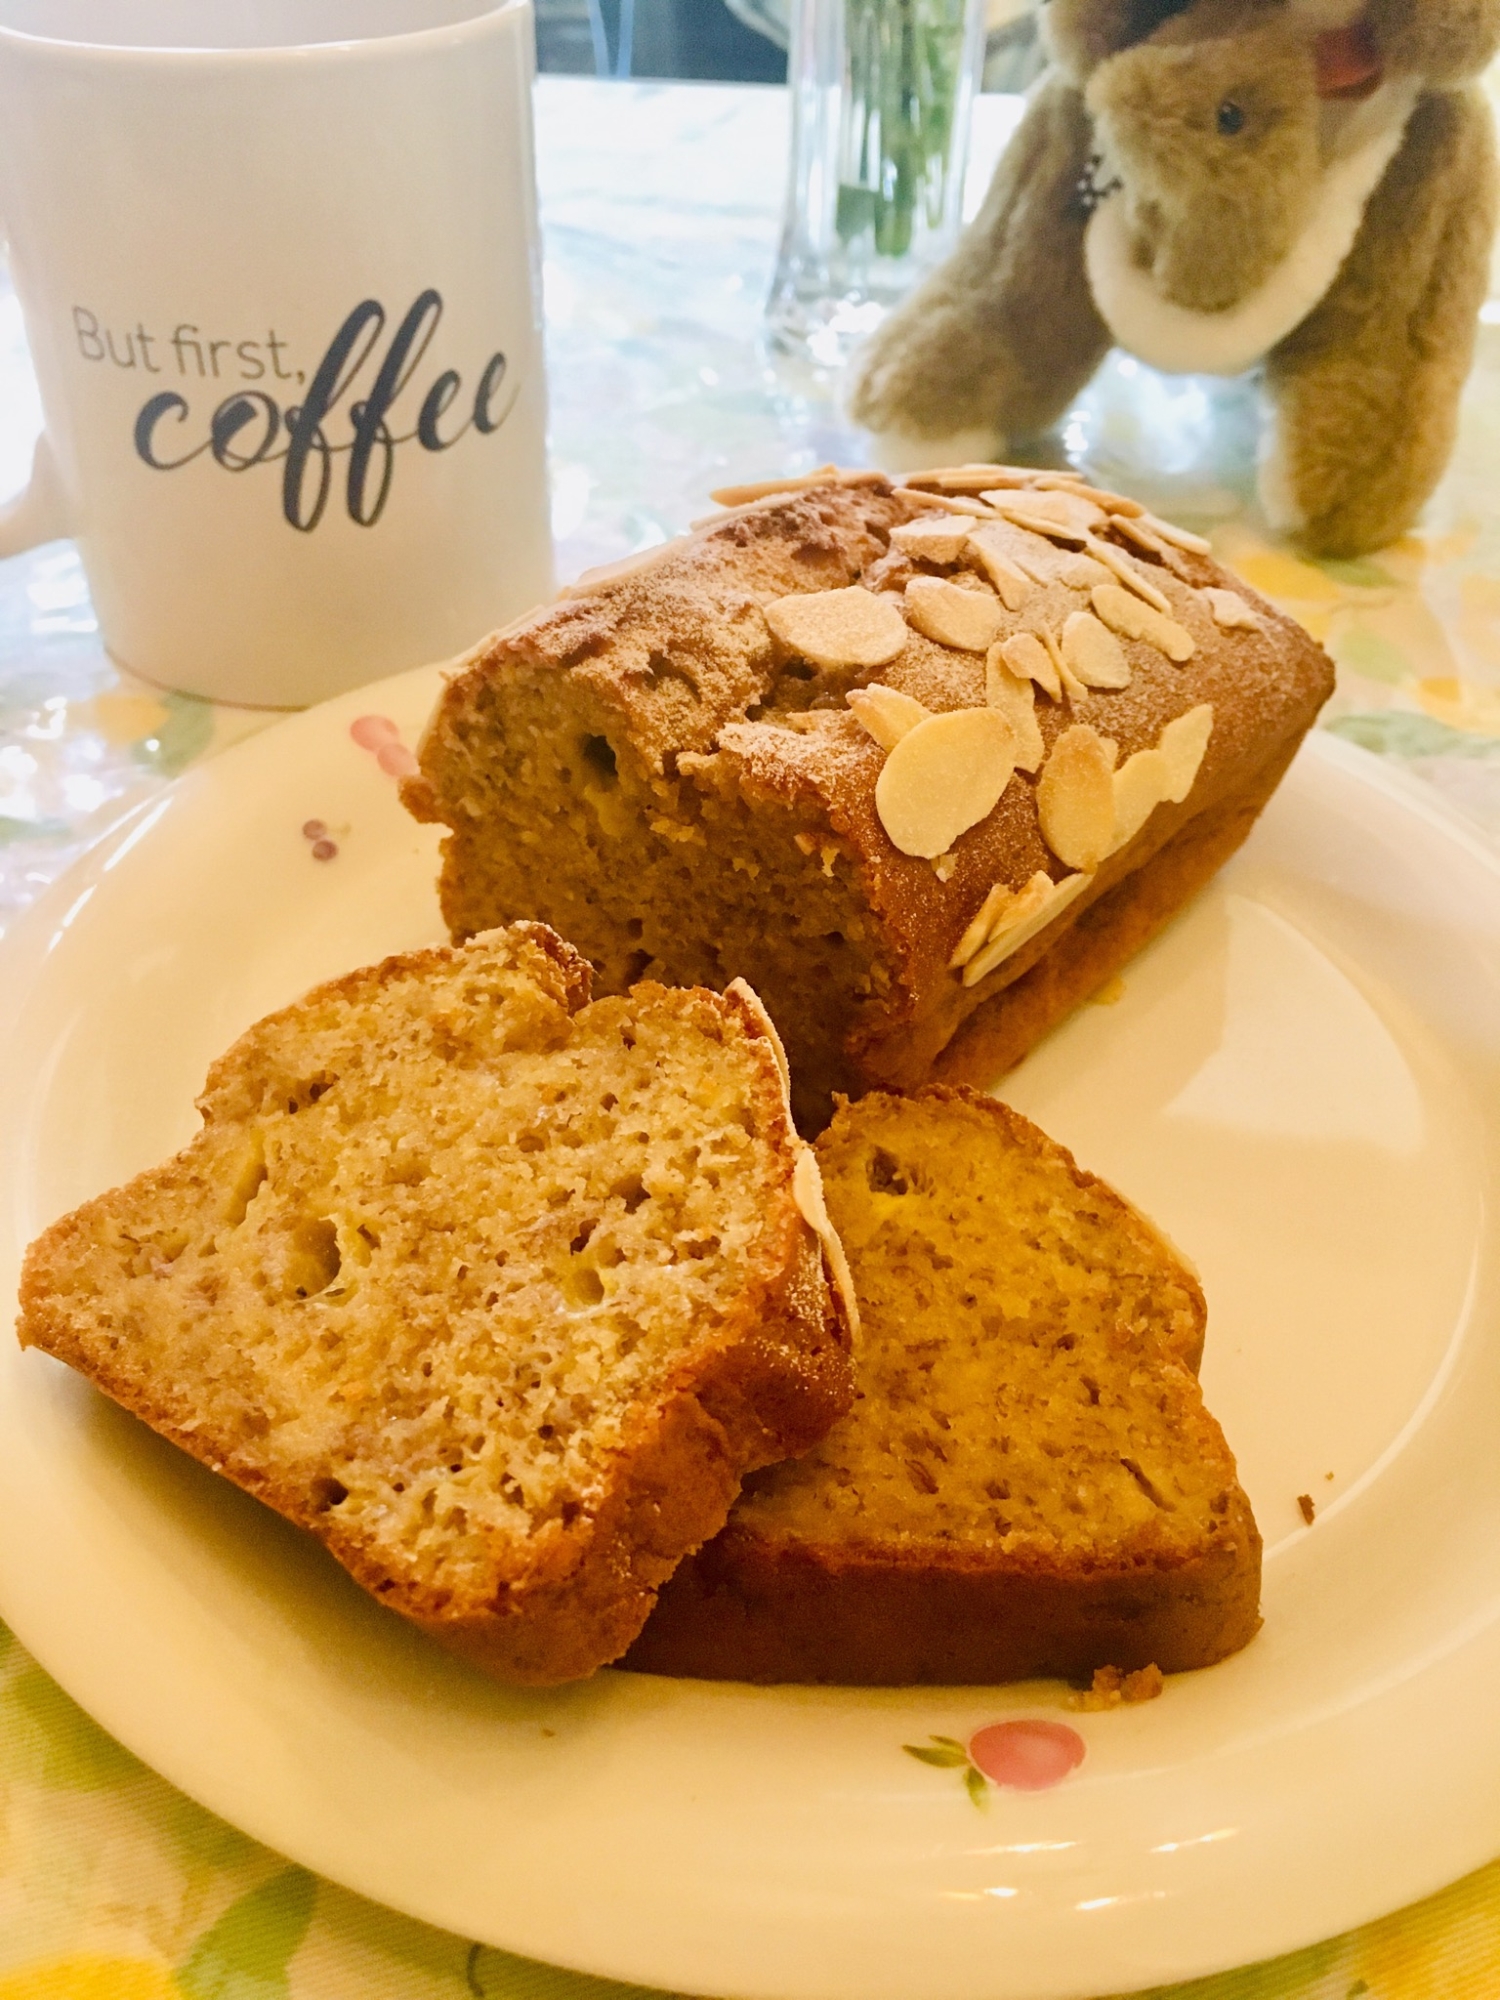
pixel 1113 1689
pixel 1110 994
pixel 1309 1511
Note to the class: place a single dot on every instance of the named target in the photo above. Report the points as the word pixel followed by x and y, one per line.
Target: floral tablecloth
pixel 659 205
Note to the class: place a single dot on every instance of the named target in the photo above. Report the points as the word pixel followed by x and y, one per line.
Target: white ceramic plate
pixel 1300 1083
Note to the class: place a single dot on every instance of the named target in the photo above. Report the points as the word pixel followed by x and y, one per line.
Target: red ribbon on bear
pixel 1348 62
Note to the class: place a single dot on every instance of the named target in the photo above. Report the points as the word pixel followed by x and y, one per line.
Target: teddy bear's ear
pixel 1081 34
pixel 1445 42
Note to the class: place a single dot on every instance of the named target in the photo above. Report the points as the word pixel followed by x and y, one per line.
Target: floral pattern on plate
pixel 381 737
pixel 1028 1754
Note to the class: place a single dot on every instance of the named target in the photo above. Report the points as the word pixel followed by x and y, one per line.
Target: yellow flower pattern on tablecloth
pixel 89 1976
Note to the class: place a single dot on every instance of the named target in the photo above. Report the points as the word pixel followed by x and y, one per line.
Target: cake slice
pixel 1028 1483
pixel 496 1291
pixel 925 763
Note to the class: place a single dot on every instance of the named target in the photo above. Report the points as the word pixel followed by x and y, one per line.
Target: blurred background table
pixel 660 208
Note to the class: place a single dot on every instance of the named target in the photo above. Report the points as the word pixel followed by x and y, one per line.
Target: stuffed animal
pixel 1304 185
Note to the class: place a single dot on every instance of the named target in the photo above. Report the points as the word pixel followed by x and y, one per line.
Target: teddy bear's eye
pixel 1231 119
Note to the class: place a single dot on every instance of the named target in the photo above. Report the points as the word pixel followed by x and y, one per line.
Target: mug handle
pixel 39 512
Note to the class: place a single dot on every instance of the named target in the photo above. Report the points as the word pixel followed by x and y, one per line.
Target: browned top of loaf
pixel 496 1290
pixel 672 655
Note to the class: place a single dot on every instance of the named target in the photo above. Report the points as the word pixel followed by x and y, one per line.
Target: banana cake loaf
pixel 923 762
pixel 1028 1483
pixel 497 1291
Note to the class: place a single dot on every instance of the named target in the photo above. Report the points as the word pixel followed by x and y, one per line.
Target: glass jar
pixel 880 99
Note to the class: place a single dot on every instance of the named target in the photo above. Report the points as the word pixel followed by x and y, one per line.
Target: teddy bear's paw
pixel 1328 505
pixel 903 451
pixel 901 384
pixel 1284 511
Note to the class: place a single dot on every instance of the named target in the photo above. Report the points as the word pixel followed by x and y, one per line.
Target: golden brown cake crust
pixel 727 757
pixel 572 1594
pixel 752 1607
pixel 764 1602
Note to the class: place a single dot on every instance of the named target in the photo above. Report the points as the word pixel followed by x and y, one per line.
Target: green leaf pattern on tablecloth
pixel 1395 733
pixel 184 732
pixel 246 1954
pixel 1366 653
pixel 47 1740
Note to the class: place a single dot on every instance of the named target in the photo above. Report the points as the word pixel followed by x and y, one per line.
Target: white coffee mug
pixel 278 263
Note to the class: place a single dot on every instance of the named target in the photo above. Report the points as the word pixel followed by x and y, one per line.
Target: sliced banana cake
pixel 1028 1483
pixel 496 1291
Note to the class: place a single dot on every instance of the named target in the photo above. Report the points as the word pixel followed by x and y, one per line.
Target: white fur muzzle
pixel 1180 341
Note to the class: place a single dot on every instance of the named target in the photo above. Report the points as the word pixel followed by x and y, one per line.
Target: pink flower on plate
pixel 380 736
pixel 317 835
pixel 1028 1755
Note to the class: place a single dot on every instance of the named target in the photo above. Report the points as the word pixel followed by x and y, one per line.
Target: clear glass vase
pixel 881 91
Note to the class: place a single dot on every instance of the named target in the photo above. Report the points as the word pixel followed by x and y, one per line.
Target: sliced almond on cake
pixel 1015 698
pixel 1076 798
pixel 970 621
pixel 943 777
pixel 1130 616
pixel 886 714
pixel 839 628
pixel 937 539
pixel 1093 653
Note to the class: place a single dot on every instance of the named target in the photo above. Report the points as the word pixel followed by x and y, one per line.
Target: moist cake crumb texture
pixel 1023 1384
pixel 1028 1482
pixel 452 1253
